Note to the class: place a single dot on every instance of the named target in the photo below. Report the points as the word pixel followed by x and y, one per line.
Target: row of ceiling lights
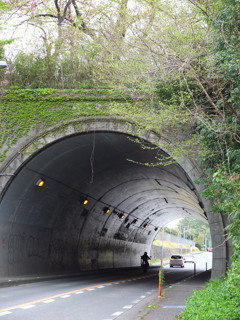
pixel 121 215
pixel 84 201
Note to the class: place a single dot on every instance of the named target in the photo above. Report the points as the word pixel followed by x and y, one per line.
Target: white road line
pixel 28 307
pixel 90 289
pixel 66 296
pixel 48 301
pixel 128 307
pixel 136 301
pixel 79 292
pixel 117 313
pixel 5 313
pixel 100 287
pixel 143 297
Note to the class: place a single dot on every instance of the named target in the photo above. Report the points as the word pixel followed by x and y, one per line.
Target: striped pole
pixel 160 283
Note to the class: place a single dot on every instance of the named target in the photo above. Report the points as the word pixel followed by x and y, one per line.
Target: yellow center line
pixel 70 292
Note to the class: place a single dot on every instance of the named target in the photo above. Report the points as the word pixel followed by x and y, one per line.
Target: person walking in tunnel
pixel 144 262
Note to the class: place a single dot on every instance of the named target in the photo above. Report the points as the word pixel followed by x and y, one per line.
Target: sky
pixel 173 223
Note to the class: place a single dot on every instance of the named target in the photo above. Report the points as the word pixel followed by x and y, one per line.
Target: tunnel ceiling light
pixel 156 229
pixel 145 225
pixel 40 183
pixel 84 201
pixel 135 221
pixel 106 210
pixel 121 215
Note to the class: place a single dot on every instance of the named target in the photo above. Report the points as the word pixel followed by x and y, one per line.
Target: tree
pixel 197 230
pixel 3 8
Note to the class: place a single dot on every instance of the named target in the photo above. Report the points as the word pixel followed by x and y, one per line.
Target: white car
pixel 189 258
pixel 176 261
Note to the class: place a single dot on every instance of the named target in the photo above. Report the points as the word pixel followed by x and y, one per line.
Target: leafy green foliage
pixel 219 300
pixel 220 137
pixel 224 192
pixel 195 229
pixel 3 5
pixel 25 109
pixel 22 110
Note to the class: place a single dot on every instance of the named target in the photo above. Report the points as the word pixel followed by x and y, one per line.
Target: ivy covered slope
pixel 23 109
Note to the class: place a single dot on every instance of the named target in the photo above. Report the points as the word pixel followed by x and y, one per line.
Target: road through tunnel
pixel 48 229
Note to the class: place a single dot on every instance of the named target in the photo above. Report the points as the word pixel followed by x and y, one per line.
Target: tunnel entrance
pixel 48 228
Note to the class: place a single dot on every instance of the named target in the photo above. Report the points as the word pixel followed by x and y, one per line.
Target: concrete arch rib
pixel 146 191
pixel 87 157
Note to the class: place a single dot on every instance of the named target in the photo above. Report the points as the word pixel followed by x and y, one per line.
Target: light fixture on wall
pixel 145 225
pixel 121 215
pixel 84 201
pixel 156 229
pixel 40 183
pixel 106 210
pixel 135 221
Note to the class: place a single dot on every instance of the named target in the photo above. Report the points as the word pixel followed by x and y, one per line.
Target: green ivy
pixel 25 109
pixel 219 300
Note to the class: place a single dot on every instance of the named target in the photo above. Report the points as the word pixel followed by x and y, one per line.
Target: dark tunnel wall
pixel 47 229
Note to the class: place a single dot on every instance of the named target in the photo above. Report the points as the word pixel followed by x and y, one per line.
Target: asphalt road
pixel 94 296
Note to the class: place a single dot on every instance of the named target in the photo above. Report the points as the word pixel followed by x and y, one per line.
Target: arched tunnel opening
pixel 47 229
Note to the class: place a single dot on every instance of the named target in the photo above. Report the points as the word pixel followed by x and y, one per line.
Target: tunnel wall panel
pixel 24 249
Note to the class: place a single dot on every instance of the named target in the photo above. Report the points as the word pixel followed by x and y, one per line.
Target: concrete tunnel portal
pixel 48 229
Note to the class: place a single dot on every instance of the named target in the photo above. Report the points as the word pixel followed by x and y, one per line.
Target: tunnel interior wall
pixel 47 230
pixel 28 250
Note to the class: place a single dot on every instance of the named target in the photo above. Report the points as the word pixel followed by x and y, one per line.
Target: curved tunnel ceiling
pixel 106 167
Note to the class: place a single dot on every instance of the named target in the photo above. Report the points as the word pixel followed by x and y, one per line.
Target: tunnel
pixel 103 190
